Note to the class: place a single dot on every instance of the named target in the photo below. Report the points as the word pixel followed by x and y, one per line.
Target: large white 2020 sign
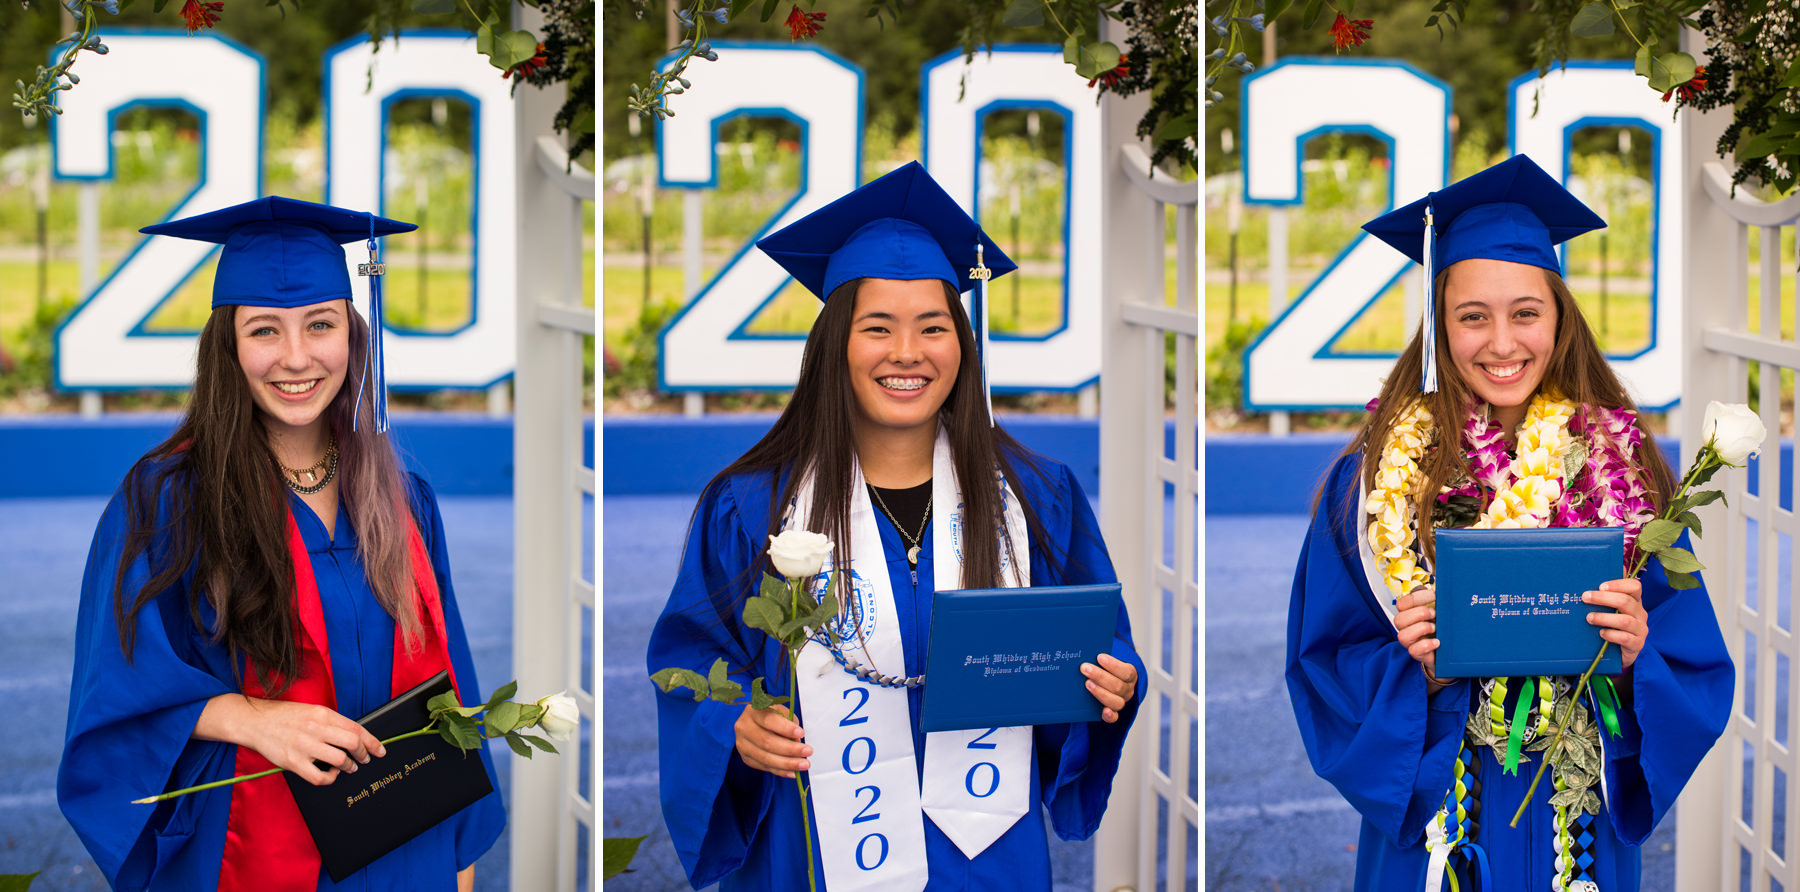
pixel 1293 364
pixel 707 346
pixel 103 344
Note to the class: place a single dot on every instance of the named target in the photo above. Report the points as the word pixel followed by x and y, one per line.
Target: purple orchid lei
pixel 1608 491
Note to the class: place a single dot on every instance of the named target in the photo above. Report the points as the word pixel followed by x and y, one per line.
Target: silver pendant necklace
pixel 912 540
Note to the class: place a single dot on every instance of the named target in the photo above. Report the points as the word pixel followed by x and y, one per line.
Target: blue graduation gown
pixel 129 725
pixel 1372 731
pixel 740 827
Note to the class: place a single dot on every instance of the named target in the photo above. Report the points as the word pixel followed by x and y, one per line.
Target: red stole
pixel 267 845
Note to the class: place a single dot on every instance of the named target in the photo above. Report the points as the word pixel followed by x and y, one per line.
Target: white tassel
pixel 1428 382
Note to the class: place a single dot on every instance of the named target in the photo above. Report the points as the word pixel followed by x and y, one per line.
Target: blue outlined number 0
pixel 993 770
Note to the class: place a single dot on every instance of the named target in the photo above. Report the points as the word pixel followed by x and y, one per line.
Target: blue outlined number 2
pixel 103 344
pixel 706 346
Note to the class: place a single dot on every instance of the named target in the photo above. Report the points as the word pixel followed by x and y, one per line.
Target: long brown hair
pixel 1576 368
pixel 214 490
pixel 814 434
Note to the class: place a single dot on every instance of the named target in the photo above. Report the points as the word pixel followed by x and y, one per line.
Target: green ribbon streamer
pixel 1515 736
pixel 1608 701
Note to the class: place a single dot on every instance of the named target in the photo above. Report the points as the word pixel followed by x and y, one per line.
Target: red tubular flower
pixel 1690 88
pixel 528 67
pixel 804 24
pixel 1111 77
pixel 201 16
pixel 1349 32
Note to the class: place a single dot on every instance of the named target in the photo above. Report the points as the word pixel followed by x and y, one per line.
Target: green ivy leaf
pixel 676 677
pixel 433 7
pixel 1023 14
pixel 1310 16
pixel 512 47
pixel 1592 20
pixel 1100 58
pixel 518 746
pixel 503 718
pixel 1658 534
pixel 1683 581
pixel 484 40
pixel 766 614
pixel 616 853
pixel 724 689
pixel 505 693
pixel 1671 70
pixel 1679 560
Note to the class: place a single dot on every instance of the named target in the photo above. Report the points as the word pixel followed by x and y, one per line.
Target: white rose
pixel 798 554
pixel 1735 431
pixel 562 718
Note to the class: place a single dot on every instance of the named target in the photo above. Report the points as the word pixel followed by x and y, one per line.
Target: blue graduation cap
pixel 286 253
pixel 903 226
pixel 1512 211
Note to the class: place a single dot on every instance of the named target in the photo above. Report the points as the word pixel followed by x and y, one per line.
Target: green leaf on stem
pixel 461 731
pixel 512 47
pixel 774 588
pixel 1096 59
pixel 827 611
pixel 1592 20
pixel 1679 560
pixel 502 718
pixel 766 614
pixel 1683 581
pixel 442 703
pixel 1024 14
pixel 505 693
pixel 1658 534
pixel 1690 520
pixel 676 677
pixel 518 746
pixel 1642 64
pixel 616 853
pixel 1072 49
pixel 791 632
pixel 1703 497
pixel 724 689
pixel 760 699
pixel 539 742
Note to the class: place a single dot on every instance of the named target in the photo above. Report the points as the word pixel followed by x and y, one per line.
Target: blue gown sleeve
pixel 1359 698
pixel 130 724
pixel 1076 762
pixel 477 827
pixel 712 802
pixel 1677 700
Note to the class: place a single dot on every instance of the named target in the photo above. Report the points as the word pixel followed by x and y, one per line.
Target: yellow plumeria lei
pixel 1528 502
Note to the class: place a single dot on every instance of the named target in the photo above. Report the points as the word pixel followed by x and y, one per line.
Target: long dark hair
pixel 223 511
pixel 1576 368
pixel 814 434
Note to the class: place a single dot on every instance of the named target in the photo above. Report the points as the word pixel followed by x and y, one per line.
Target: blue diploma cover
pixel 1012 656
pixel 1509 601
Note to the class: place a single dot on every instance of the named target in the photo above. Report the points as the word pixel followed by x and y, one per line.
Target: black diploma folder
pixel 420 782
pixel 1012 656
pixel 1509 601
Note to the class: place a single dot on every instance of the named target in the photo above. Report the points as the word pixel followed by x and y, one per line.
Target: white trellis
pixel 1153 819
pixel 1728 820
pixel 551 812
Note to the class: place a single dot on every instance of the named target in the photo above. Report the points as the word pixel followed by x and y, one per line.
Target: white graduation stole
pixel 865 789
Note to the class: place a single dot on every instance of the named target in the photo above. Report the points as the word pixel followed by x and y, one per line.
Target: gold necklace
pixel 912 553
pixel 327 464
